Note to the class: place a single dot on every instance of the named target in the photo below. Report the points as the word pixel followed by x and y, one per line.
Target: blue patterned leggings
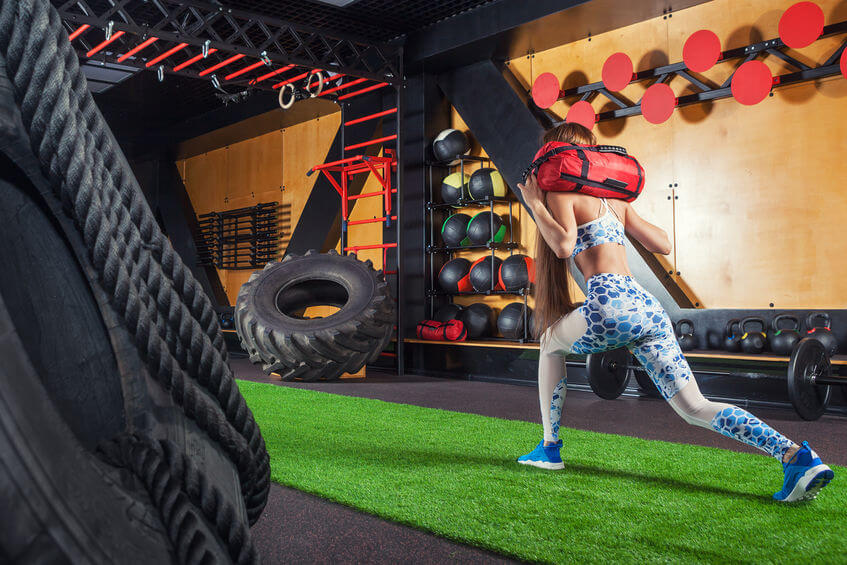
pixel 618 312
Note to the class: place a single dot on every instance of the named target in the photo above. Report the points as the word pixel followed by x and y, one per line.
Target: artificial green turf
pixel 618 499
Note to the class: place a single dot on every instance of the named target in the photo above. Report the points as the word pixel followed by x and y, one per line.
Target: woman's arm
pixel 557 228
pixel 653 238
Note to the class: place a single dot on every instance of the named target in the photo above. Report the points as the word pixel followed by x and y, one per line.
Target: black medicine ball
pixel 510 322
pixel 481 278
pixel 449 144
pixel 449 312
pixel 479 228
pixel 454 230
pixel 477 319
pixel 453 276
pixel 454 188
pixel 517 272
pixel 486 183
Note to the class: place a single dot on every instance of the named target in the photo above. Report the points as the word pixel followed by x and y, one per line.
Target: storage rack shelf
pixel 436 213
pixel 243 238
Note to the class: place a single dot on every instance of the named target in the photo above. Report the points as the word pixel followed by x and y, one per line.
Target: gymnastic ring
pixel 320 76
pixel 285 105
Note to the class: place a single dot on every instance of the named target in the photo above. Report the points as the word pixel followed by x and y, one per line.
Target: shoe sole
pixel 810 484
pixel 550 466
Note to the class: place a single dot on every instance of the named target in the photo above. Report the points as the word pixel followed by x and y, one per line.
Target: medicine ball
pixel 478 320
pixel 510 322
pixel 479 228
pixel 517 272
pixel 453 276
pixel 449 312
pixel 481 279
pixel 454 188
pixel 454 230
pixel 486 183
pixel 449 144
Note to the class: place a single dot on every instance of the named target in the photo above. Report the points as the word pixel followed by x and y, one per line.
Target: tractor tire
pixel 100 461
pixel 269 316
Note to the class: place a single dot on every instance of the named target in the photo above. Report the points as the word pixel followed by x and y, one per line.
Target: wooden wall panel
pixel 755 192
pixel 267 168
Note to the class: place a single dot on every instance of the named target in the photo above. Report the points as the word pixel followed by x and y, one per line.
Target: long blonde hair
pixel 552 292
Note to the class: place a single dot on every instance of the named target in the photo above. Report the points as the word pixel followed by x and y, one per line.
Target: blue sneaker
pixel 805 475
pixel 544 456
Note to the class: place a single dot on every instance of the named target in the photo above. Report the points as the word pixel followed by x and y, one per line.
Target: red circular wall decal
pixel 617 72
pixel 582 113
pixel 801 24
pixel 701 51
pixel 844 63
pixel 545 90
pixel 658 103
pixel 752 82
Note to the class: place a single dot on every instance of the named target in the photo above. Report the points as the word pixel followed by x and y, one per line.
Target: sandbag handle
pixel 553 152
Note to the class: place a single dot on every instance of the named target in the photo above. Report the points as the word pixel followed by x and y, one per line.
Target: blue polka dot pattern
pixel 556 408
pixel 739 424
pixel 619 313
pixel 605 229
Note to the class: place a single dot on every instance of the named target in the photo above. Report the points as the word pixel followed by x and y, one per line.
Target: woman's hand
pixel 532 194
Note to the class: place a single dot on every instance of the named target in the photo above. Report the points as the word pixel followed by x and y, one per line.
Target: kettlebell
pixel 686 340
pixel 753 342
pixel 822 332
pixel 732 340
pixel 783 339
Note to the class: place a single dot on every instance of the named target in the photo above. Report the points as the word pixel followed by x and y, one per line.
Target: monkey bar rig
pixel 198 40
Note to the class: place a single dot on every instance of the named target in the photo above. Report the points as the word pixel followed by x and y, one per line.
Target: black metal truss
pixel 228 32
pixel 706 89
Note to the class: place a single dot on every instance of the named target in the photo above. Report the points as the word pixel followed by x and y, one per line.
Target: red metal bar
pixel 79 31
pixel 137 48
pixel 343 86
pixel 371 142
pixel 272 74
pixel 192 60
pixel 246 69
pixel 334 184
pixel 362 91
pixel 292 79
pixel 333 163
pixel 371 117
pixel 387 353
pixel 223 63
pixel 363 247
pixel 369 194
pixel 94 50
pixel 166 54
pixel 389 272
pixel 371 221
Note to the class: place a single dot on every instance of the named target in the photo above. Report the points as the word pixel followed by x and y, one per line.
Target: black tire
pixel 72 380
pixel 270 323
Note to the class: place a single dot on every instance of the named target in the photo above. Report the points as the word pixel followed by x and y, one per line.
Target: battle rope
pixel 163 306
pixel 179 490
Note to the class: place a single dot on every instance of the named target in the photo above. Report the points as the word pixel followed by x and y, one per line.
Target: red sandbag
pixel 605 171
pixel 453 330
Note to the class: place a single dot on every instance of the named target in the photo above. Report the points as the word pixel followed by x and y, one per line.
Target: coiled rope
pixel 164 308
pixel 183 497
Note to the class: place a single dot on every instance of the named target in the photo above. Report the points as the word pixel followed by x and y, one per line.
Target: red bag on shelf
pixel 605 171
pixel 454 330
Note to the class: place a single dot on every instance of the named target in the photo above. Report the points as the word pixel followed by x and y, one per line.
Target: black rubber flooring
pixel 298 528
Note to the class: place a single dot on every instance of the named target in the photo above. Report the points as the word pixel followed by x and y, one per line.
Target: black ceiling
pixel 372 20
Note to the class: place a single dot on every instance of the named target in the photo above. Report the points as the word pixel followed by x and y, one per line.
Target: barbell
pixel 809 376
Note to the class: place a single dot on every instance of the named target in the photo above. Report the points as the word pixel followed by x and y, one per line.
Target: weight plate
pixel 645 383
pixel 608 373
pixel 808 360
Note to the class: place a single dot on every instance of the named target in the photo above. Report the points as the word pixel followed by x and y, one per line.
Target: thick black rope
pixel 173 323
pixel 180 491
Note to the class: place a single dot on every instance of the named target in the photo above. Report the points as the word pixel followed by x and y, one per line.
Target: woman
pixel 619 313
